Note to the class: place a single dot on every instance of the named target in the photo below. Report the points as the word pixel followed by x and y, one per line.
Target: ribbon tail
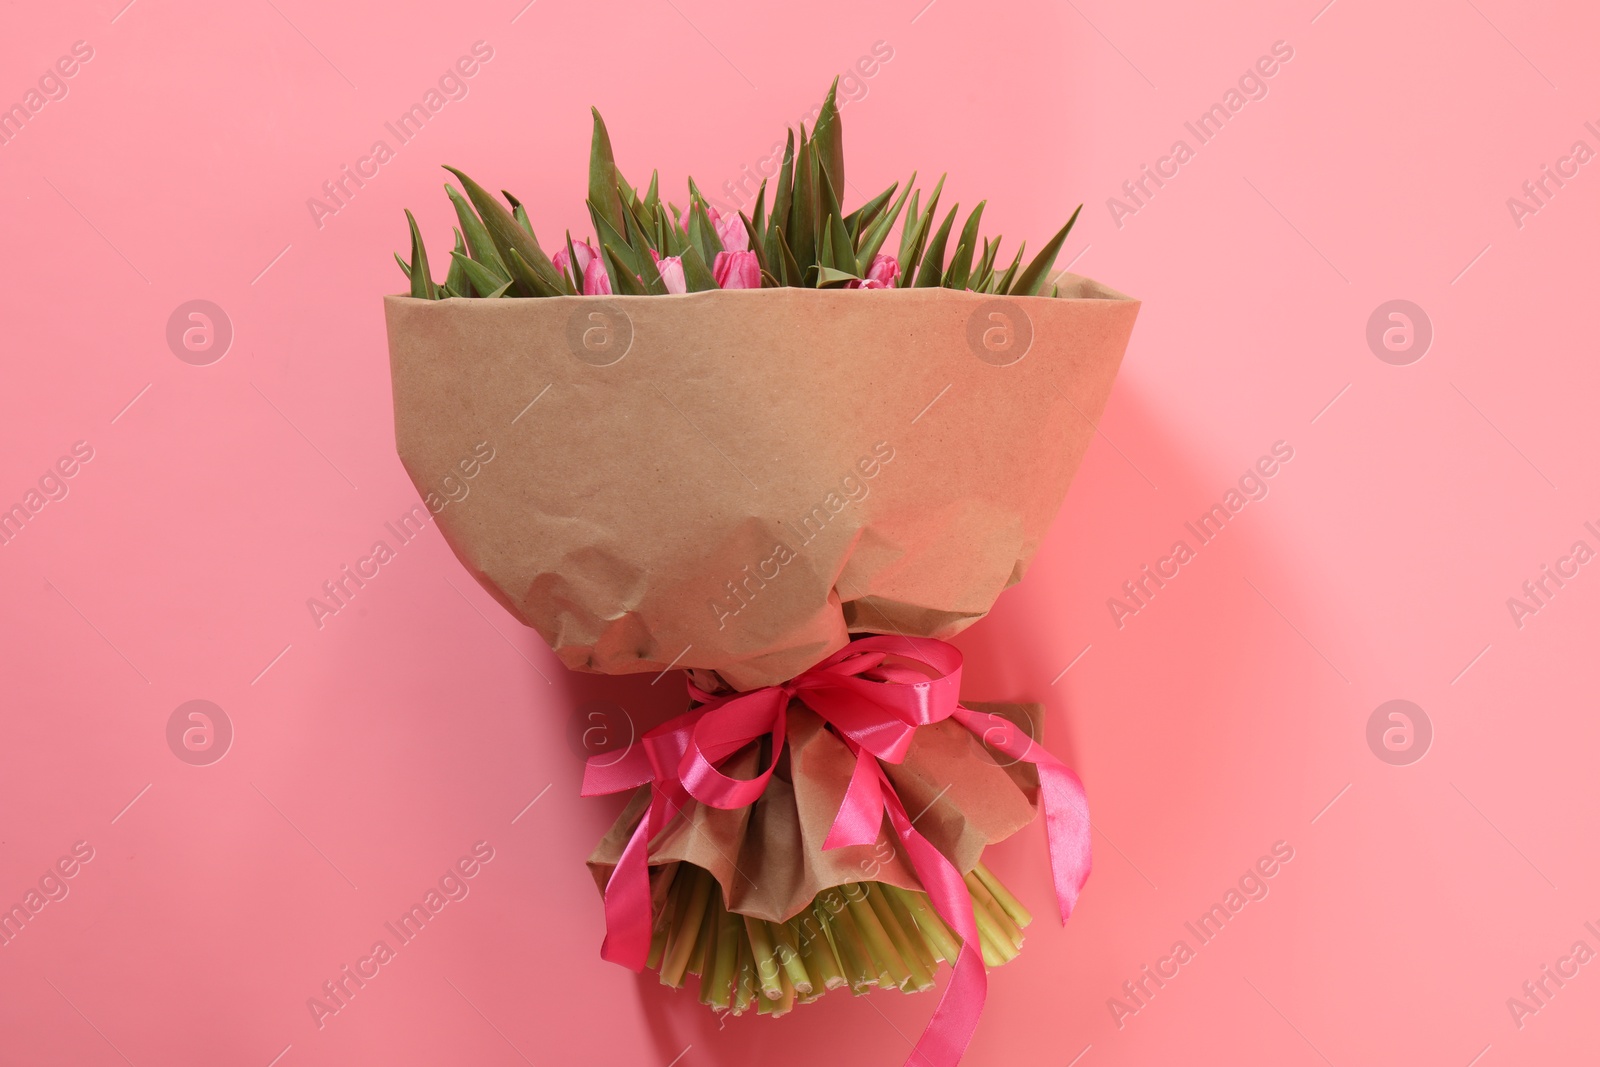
pixel 861 814
pixel 628 912
pixel 613 772
pixel 1067 829
pixel 1061 795
pixel 955 1020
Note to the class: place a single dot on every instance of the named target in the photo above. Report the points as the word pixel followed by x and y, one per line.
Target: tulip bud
pixel 583 250
pixel 737 270
pixel 731 232
pixel 880 275
pixel 596 282
pixel 671 268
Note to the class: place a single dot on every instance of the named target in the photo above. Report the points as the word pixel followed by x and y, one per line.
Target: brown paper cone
pixel 736 480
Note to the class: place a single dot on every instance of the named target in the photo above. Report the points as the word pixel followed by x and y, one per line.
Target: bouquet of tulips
pixel 716 454
pixel 650 247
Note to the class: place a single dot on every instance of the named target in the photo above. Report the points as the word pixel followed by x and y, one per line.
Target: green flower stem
pixel 744 978
pixel 925 949
pixel 700 957
pixel 766 960
pixel 788 949
pixel 686 926
pixel 981 895
pixel 878 943
pixel 909 946
pixel 853 956
pixel 933 928
pixel 858 935
pixel 821 962
pixel 1011 904
pixel 730 935
pixel 997 947
pixel 666 904
pixel 786 999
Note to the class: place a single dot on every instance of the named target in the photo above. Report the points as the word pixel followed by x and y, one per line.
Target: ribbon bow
pixel 875 706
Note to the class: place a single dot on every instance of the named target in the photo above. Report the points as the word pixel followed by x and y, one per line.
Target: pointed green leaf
pixel 506 233
pixel 930 272
pixel 572 265
pixel 862 217
pixel 520 213
pixel 697 277
pixel 702 234
pixel 829 278
pixel 652 196
pixel 755 245
pixel 878 229
pixel 422 286
pixel 783 197
pixel 1032 278
pixel 983 273
pixel 757 222
pixel 484 281
pixel 827 140
pixel 908 232
pixel 910 264
pixel 526 276
pixel 404 266
pixel 955 277
pixel 606 235
pixel 841 251
pixel 479 245
pixel 1003 283
pixel 672 238
pixel 801 231
pixel 454 280
pixel 791 269
pixel 603 176
pixel 623 281
pixel 641 240
pixel 650 276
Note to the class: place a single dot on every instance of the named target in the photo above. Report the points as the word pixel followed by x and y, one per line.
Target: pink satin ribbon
pixel 875 705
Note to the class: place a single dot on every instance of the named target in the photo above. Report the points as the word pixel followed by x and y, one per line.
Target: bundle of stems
pixel 859 936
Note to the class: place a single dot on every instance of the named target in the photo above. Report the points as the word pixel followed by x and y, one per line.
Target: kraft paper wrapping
pixel 768 857
pixel 737 480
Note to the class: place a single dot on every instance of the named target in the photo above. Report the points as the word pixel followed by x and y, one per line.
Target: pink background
pixel 1228 714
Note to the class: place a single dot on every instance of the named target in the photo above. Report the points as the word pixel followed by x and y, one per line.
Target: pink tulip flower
pixel 596 282
pixel 731 232
pixel 671 268
pixel 737 270
pixel 880 275
pixel 585 253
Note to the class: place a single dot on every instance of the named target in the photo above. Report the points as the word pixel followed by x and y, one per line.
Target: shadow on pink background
pixel 1229 714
